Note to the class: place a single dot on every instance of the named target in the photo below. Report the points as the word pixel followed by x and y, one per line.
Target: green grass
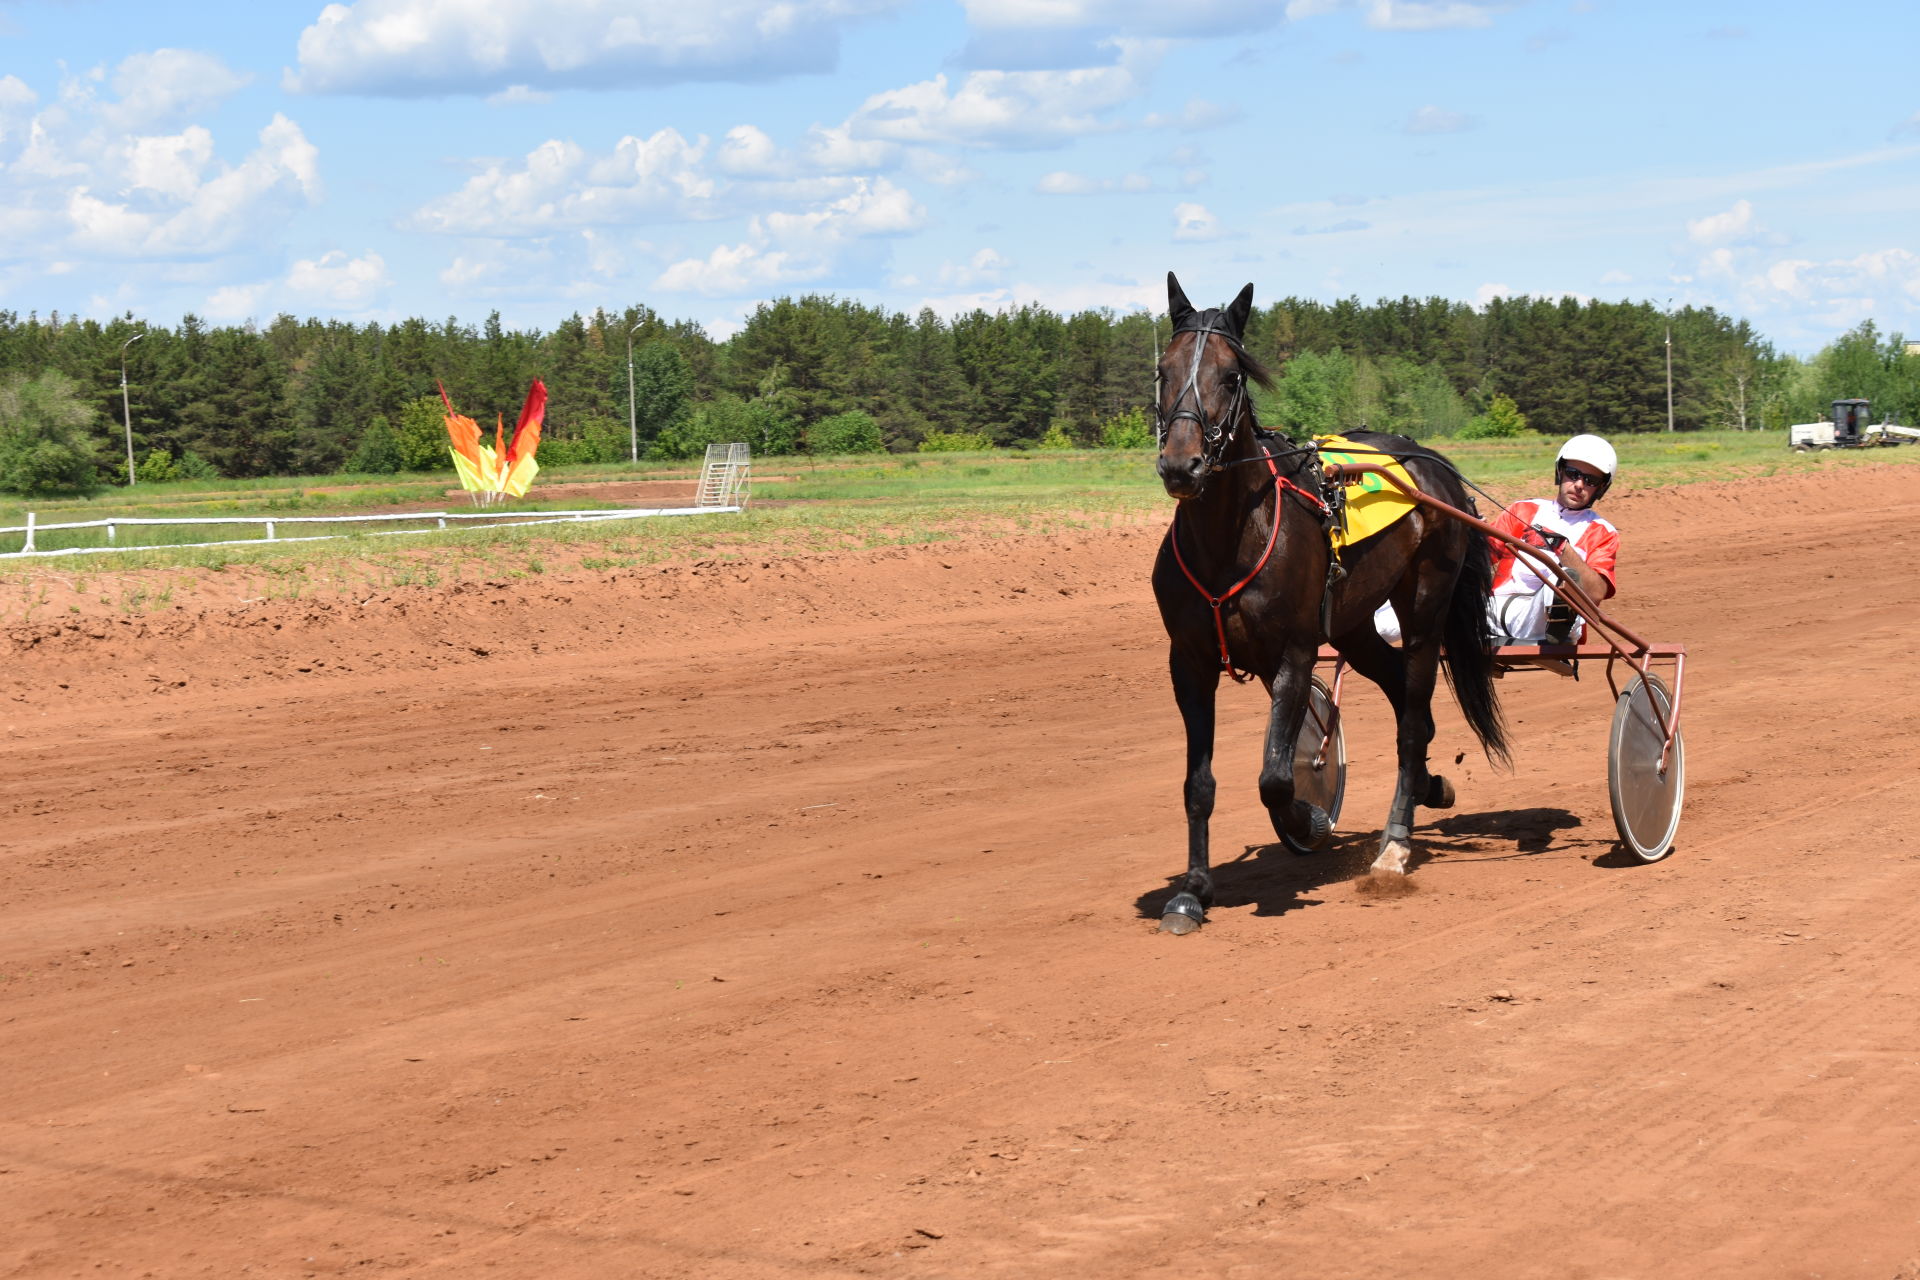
pixel 802 506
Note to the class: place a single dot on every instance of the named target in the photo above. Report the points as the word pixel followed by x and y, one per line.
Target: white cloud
pixel 89 177
pixel 1195 222
pixel 731 271
pixel 1407 15
pixel 1616 277
pixel 335 280
pixel 167 208
pixel 172 165
pixel 518 95
pixel 1010 35
pixel 411 48
pixel 836 150
pixel 234 303
pixel 1000 108
pixel 561 185
pixel 749 152
pixel 792 248
pixel 1196 115
pixel 1431 119
pixel 1488 292
pixel 1061 182
pixel 985 267
pixel 1127 17
pixel 16 108
pixel 1734 224
pixel 1881 277
pixel 168 85
pixel 1065 299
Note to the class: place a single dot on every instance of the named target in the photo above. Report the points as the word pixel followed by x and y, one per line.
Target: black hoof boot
pixel 1439 793
pixel 1319 831
pixel 1182 914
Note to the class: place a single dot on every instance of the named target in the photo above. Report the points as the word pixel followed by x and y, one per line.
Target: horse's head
pixel 1200 389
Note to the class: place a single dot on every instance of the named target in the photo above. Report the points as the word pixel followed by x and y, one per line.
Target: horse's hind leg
pixel 1194 691
pixel 1414 785
pixel 1307 825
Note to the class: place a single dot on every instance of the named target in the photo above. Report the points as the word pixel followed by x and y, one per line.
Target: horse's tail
pixel 1467 651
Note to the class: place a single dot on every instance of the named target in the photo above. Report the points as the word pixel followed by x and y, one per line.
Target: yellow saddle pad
pixel 1372 503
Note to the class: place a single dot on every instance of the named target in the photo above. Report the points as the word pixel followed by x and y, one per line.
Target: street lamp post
pixel 1669 364
pixel 633 429
pixel 126 406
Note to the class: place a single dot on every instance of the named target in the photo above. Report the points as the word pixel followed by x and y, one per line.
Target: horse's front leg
pixel 1194 690
pixel 1306 825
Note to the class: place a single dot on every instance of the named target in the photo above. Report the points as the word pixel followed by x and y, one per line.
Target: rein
pixel 1216 603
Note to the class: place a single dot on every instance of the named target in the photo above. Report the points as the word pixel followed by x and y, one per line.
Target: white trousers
pixel 1517 618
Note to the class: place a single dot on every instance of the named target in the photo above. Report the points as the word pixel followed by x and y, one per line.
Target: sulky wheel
pixel 1646 800
pixel 1320 780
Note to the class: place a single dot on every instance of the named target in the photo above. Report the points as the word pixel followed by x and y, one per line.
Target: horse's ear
pixel 1178 308
pixel 1242 308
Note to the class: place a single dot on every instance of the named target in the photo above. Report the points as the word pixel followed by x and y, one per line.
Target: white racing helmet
pixel 1594 452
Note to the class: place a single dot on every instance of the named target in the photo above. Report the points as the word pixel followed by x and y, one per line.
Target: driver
pixel 1565 526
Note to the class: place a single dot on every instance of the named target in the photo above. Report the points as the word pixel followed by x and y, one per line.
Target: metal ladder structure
pixel 725 477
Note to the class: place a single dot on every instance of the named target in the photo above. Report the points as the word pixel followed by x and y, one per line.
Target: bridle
pixel 1215 434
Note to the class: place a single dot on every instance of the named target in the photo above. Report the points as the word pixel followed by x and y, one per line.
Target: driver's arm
pixel 1589 579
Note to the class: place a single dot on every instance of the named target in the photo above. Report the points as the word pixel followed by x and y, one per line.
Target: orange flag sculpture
pixel 501 468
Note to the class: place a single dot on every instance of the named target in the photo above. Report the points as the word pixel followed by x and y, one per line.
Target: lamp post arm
pixel 633 428
pixel 126 405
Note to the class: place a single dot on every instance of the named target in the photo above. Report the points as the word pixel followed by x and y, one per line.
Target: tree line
pixel 833 374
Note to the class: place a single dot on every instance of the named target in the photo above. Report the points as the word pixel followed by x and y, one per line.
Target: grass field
pixel 801 505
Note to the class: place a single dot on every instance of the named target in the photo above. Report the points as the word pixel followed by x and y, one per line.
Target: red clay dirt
pixel 795 919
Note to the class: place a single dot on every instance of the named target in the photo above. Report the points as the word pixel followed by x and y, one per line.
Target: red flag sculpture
pixel 501 468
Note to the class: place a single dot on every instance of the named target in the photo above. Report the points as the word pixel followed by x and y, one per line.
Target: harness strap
pixel 1280 482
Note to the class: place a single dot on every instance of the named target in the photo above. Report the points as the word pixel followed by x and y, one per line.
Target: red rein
pixel 1219 624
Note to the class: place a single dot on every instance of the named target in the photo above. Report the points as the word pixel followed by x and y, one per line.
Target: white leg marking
pixel 1393 858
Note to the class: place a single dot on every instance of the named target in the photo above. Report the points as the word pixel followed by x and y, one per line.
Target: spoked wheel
pixel 1319 771
pixel 1646 799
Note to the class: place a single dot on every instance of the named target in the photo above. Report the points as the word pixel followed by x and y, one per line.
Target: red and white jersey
pixel 1594 538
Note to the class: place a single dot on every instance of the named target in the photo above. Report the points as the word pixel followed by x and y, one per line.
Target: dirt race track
pixel 796 920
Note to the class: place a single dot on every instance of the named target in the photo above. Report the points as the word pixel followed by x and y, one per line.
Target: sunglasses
pixel 1566 473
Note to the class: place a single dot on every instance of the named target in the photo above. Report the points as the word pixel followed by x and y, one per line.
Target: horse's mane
pixel 1254 369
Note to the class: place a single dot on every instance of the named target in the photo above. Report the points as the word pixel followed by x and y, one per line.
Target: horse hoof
pixel 1393 859
pixel 1182 914
pixel 1439 793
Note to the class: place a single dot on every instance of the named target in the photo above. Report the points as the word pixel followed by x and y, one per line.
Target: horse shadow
pixel 1478 836
pixel 1274 880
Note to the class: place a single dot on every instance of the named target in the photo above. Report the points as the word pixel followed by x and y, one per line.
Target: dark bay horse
pixel 1243 585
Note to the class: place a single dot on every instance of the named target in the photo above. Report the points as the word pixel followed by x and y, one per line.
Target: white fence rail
pixel 272 525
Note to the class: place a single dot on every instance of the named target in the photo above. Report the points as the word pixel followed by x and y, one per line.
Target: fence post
pixel 110 533
pixel 29 545
pixel 269 531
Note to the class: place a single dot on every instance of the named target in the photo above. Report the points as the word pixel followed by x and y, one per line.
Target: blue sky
pixel 388 158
